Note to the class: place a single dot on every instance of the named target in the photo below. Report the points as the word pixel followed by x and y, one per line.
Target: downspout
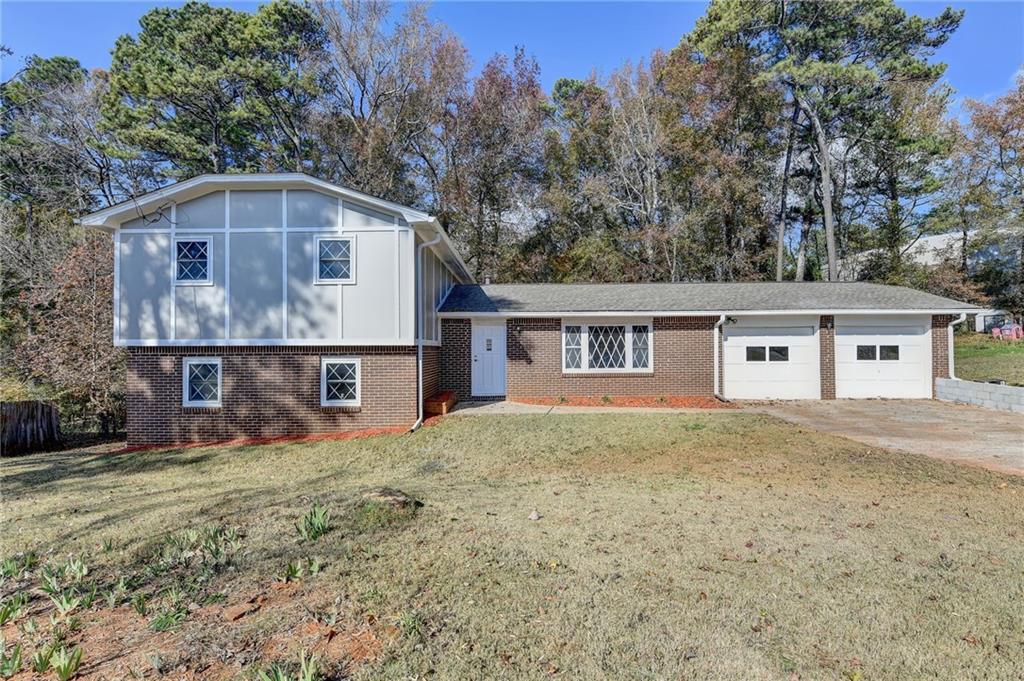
pixel 963 316
pixel 420 330
pixel 716 331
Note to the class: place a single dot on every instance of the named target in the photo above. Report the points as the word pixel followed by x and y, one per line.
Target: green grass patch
pixel 982 358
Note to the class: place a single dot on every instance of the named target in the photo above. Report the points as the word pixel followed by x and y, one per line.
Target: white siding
pixel 256 285
pixel 263 259
pixel 368 307
pixel 312 310
pixel 145 286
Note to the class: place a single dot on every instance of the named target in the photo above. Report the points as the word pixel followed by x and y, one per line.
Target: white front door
pixel 884 356
pixel 488 359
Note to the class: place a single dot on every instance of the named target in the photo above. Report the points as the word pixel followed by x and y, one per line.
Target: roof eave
pixel 110 218
pixel 451 314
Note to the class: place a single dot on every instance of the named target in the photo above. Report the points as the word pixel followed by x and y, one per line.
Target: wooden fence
pixel 28 427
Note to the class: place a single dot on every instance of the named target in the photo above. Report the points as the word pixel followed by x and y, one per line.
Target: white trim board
pixel 685 313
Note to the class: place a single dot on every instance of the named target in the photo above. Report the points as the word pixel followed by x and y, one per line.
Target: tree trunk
pixel 964 228
pixel 805 233
pixel 825 181
pixel 780 250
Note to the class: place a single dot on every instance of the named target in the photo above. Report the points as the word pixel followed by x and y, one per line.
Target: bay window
pixel 606 346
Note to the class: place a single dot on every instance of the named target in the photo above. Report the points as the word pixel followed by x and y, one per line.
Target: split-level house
pixel 269 305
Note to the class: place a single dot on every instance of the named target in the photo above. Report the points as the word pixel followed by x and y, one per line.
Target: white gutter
pixel 692 313
pixel 420 330
pixel 718 325
pixel 949 330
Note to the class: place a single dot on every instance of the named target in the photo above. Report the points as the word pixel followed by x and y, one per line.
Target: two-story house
pixel 278 304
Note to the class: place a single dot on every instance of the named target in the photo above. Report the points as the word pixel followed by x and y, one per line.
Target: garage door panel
pixel 796 378
pixel 909 376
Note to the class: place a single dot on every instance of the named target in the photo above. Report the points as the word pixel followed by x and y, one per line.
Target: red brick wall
pixel 683 362
pixel 431 370
pixel 267 391
pixel 827 356
pixel 940 346
pixel 456 357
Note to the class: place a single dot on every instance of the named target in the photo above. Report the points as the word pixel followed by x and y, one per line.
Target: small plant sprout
pixel 11 609
pixel 10 664
pixel 76 569
pixel 41 660
pixel 108 545
pixel 308 671
pixel 66 602
pixel 139 604
pixel 315 524
pixel 313 566
pixel 65 663
pixel 606 399
pixel 168 619
pixel 292 573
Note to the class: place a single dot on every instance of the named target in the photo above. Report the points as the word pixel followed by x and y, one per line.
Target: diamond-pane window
pixel 334 260
pixel 340 382
pixel 193 261
pixel 202 382
pixel 607 347
pixel 573 347
pixel 641 347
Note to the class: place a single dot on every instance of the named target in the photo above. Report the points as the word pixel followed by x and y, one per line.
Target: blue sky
pixel 567 38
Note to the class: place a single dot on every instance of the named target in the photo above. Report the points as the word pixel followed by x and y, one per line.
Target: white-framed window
pixel 339 381
pixel 335 260
pixel 192 262
pixel 607 346
pixel 201 382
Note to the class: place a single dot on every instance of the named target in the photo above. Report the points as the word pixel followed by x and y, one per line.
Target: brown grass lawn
pixel 698 546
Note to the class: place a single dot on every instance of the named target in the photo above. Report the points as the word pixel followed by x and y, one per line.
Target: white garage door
pixel 883 357
pixel 771 358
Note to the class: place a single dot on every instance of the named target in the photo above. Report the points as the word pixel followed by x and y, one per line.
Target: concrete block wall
pixel 990 395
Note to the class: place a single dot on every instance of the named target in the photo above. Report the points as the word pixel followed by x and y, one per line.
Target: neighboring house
pixel 275 305
pixel 999 248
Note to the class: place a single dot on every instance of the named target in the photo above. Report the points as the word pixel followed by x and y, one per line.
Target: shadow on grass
pixel 24 473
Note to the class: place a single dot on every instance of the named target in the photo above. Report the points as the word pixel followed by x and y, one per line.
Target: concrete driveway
pixel 970 435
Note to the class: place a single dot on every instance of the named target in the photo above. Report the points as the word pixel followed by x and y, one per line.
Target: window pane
pixel 641 347
pixel 193 260
pixel 573 351
pixel 202 382
pixel 340 381
pixel 865 352
pixel 335 259
pixel 778 353
pixel 755 353
pixel 607 347
pixel 888 352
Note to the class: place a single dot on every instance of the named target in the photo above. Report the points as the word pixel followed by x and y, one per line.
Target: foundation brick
pixel 269 391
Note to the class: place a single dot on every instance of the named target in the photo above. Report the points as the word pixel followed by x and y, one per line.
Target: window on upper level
pixel 606 347
pixel 335 262
pixel 192 261
pixel 201 382
pixel 339 382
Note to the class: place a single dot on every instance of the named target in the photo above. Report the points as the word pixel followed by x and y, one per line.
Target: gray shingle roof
pixel 512 299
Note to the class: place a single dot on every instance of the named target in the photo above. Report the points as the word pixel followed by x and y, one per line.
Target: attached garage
pixel 883 356
pixel 772 358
